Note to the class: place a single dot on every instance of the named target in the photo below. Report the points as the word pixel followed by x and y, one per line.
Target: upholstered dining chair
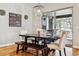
pixel 61 45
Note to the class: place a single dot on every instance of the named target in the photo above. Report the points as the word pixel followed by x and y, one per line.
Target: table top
pixel 35 35
pixel 41 36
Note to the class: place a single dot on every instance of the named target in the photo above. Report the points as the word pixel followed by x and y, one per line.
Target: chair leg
pixel 65 51
pixel 60 52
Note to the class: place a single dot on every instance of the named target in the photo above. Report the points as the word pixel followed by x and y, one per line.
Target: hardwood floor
pixel 11 51
pixel 75 52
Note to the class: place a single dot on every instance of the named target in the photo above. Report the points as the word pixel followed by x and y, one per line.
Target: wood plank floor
pixel 11 51
pixel 75 51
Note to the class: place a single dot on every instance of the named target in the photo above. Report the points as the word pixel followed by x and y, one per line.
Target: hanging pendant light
pixel 38 9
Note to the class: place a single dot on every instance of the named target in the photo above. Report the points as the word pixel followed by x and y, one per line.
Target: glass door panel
pixel 63 22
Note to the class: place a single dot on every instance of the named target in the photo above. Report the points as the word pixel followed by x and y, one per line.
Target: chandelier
pixel 38 9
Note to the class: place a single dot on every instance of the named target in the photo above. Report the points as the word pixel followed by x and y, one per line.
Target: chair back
pixel 63 39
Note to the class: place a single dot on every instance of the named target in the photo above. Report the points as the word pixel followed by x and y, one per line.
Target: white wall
pixel 10 34
pixel 27 24
pixel 76 26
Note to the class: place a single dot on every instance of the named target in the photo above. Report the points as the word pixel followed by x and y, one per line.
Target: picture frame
pixel 14 20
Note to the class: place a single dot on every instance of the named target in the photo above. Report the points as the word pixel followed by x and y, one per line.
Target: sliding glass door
pixel 54 22
pixel 63 22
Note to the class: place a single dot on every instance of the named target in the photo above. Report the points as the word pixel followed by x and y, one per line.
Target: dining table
pixel 44 38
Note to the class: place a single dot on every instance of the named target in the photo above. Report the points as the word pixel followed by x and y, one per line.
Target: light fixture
pixel 38 9
pixel 2 12
pixel 25 17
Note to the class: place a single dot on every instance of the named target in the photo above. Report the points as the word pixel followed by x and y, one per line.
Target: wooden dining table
pixel 37 39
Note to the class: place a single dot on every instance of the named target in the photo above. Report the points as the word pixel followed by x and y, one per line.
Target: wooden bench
pixel 20 43
pixel 38 48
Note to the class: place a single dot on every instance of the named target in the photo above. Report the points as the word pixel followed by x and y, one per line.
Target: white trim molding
pixel 6 44
pixel 77 47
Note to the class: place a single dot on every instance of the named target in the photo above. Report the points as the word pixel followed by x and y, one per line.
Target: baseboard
pixel 77 47
pixel 6 44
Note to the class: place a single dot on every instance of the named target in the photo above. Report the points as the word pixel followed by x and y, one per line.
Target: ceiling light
pixel 38 9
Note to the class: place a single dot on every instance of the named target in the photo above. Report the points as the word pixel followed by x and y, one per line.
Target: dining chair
pixel 61 45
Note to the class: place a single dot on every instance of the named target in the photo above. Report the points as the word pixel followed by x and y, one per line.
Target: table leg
pixel 25 45
pixel 23 48
pixel 35 40
pixel 44 42
pixel 17 48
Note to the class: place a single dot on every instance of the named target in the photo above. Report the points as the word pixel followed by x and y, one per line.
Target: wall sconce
pixel 2 12
pixel 25 17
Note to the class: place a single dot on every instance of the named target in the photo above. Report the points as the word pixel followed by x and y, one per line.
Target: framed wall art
pixel 14 20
